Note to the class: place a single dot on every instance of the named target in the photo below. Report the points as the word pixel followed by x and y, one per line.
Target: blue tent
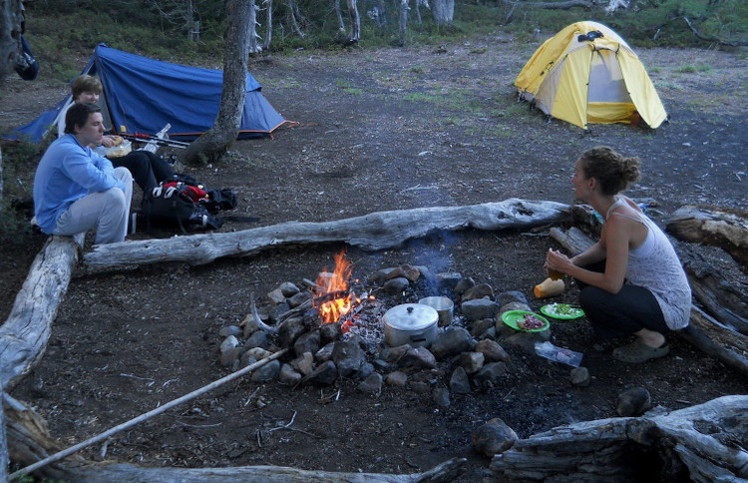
pixel 142 95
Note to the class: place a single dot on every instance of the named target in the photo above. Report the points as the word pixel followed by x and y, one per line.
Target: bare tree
pixel 254 46
pixel 219 138
pixel 443 11
pixel 404 19
pixel 355 21
pixel 269 23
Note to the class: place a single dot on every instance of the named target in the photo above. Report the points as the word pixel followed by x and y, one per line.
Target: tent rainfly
pixel 142 95
pixel 587 73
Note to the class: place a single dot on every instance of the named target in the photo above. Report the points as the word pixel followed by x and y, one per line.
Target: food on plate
pixel 117 140
pixel 562 311
pixel 530 322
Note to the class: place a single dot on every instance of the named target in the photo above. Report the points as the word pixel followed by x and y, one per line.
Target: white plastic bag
pixel 558 354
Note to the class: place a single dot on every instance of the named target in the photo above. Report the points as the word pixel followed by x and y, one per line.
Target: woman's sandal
pixel 637 352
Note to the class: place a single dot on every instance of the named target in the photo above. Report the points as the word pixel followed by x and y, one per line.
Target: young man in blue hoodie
pixel 75 189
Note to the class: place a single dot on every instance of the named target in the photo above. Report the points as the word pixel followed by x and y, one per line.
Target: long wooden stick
pixel 144 417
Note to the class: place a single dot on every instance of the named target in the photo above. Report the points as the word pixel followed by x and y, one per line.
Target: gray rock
pixel 441 397
pixel 464 285
pixel 307 342
pixel 525 341
pixel 451 342
pixel 367 369
pixel 459 383
pixel 276 296
pixel 418 358
pixel 493 438
pixel 479 309
pixel 396 379
pixel 290 330
pixel 633 402
pixel 491 375
pixel 259 338
pixel 288 289
pixel 372 384
pixel 493 351
pixel 246 359
pixel 405 271
pixel 298 299
pixel 512 296
pixel 274 316
pixel 394 354
pixel 448 280
pixel 426 274
pixel 513 306
pixel 325 353
pixel 396 285
pixel 326 373
pixel 304 363
pixel 230 330
pixel 479 327
pixel 348 357
pixel 258 353
pixel 329 333
pixel 229 351
pixel 288 375
pixel 381 276
pixel 480 291
pixel 267 372
pixel 580 376
pixel 472 362
pixel 420 387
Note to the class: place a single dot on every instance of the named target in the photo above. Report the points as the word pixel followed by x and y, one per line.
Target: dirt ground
pixel 379 130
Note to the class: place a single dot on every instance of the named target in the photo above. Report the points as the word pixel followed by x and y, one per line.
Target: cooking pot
pixel 413 324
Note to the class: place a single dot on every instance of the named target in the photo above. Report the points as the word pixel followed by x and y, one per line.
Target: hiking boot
pixel 637 352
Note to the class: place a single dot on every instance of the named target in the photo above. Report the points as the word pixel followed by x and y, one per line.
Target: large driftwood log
pixel 374 231
pixel 703 443
pixel 707 334
pixel 24 335
pixel 726 228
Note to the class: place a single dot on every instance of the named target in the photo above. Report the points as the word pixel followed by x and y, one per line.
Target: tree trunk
pixel 219 138
pixel 269 23
pixel 374 231
pixel 443 11
pixel 404 20
pixel 11 17
pixel 726 228
pixel 703 443
pixel 254 47
pixel 1 174
pixel 339 16
pixel 355 21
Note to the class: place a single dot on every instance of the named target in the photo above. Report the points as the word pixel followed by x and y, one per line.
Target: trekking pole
pixel 149 137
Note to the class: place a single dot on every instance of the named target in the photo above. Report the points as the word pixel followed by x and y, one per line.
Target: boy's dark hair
pixel 78 115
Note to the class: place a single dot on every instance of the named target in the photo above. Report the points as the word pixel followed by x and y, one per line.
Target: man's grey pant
pixel 106 211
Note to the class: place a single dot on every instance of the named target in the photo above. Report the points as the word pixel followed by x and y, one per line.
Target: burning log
pixel 374 231
pixel 703 441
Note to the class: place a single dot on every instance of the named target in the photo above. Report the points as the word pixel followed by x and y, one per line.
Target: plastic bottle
pixel 549 288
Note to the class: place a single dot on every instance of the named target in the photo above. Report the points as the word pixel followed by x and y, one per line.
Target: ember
pixel 335 285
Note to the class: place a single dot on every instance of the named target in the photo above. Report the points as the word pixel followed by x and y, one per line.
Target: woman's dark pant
pixel 147 168
pixel 615 315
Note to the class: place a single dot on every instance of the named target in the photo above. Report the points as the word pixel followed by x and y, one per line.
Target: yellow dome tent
pixel 587 73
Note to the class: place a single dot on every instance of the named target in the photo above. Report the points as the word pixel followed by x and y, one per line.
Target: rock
pixel 479 291
pixel 259 338
pixel 406 271
pixel 277 311
pixel 367 369
pixel 493 438
pixel 298 299
pixel 258 353
pixel 492 351
pixel 394 354
pixel 288 289
pixel 267 372
pixel 348 357
pixel 381 276
pixel 396 285
pixel 472 362
pixel 418 358
pixel 420 387
pixel 372 384
pixel 633 402
pixel 325 353
pixel 511 296
pixel 307 342
pixel 580 376
pixel 230 351
pixel 459 383
pixel 325 373
pixel 288 375
pixel 491 375
pixel 426 274
pixel 304 363
pixel 448 280
pixel 479 309
pixel 396 379
pixel 479 327
pixel 246 359
pixel 452 341
pixel 230 330
pixel 276 297
pixel 329 333
pixel 290 330
pixel 464 285
pixel 525 341
pixel 513 306
pixel 440 396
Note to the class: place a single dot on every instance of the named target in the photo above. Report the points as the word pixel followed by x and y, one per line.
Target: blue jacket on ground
pixel 66 173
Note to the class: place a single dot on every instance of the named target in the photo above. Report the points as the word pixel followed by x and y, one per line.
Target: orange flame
pixel 337 281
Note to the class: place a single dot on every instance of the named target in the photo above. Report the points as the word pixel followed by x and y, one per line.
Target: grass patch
pixel 693 69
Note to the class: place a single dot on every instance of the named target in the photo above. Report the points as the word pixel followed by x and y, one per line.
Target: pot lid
pixel 411 316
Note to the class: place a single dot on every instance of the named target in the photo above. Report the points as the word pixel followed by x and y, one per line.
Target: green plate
pixel 562 311
pixel 513 317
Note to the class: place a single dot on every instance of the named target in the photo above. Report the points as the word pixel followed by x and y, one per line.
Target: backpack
pixel 181 201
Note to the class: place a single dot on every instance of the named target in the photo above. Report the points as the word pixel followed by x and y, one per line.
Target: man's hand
pixel 110 141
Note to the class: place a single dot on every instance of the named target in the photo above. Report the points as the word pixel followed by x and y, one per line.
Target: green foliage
pixel 691 69
pixel 19 161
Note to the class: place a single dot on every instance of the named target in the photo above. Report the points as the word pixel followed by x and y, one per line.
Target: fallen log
pixel 726 228
pixel 703 443
pixel 25 334
pixel 706 333
pixel 374 231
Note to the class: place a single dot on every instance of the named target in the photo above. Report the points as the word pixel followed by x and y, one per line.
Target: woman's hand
pixel 557 261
